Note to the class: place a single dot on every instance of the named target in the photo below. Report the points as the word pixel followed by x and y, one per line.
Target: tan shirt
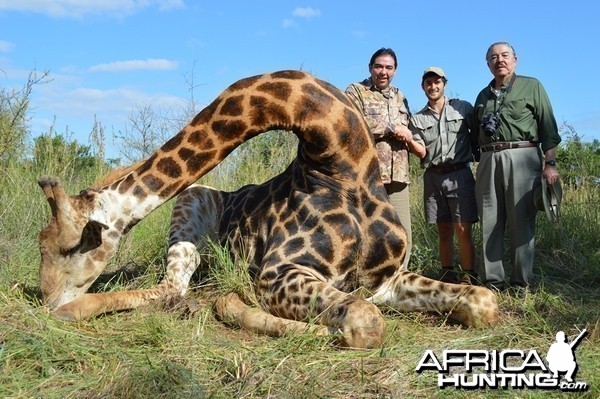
pixel 382 111
pixel 446 136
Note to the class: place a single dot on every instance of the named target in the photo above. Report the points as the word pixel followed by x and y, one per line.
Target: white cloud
pixel 135 65
pixel 5 46
pixel 79 8
pixel 306 12
pixel 77 108
pixel 289 23
pixel 118 100
pixel 300 12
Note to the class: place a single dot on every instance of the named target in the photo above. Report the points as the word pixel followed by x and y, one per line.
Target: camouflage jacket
pixel 382 110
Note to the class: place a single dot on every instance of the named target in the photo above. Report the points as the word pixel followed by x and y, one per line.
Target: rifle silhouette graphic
pixel 576 340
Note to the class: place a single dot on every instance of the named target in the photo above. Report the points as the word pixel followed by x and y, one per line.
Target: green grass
pixel 154 352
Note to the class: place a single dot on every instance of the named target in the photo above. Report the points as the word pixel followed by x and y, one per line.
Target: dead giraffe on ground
pixel 311 235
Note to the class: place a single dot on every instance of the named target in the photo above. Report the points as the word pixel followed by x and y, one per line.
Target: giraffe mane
pixel 116 174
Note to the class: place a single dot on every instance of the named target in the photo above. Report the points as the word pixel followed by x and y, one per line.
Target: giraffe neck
pixel 334 139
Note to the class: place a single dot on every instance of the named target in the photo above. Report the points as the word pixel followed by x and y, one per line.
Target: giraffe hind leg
pixel 233 311
pixel 296 292
pixel 362 327
pixel 409 292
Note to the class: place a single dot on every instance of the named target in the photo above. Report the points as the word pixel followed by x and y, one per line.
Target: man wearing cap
pixel 386 112
pixel 442 126
pixel 514 119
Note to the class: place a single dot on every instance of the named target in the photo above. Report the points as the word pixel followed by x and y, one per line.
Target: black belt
pixel 508 145
pixel 447 168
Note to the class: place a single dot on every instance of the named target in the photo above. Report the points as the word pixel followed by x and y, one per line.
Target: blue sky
pixel 108 58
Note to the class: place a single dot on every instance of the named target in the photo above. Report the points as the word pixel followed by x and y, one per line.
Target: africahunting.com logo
pixel 510 368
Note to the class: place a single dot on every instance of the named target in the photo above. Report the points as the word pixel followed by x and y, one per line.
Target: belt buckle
pixel 497 147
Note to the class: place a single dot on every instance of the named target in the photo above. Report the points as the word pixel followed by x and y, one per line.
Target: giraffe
pixel 311 236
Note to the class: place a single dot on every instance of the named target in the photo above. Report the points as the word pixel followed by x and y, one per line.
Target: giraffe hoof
pixel 480 308
pixel 363 326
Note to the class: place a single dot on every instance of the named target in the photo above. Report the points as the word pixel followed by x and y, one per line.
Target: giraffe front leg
pixel 194 224
pixel 182 260
pixel 297 293
pixel 88 306
pixel 467 304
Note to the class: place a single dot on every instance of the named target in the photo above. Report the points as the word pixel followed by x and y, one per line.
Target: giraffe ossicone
pixel 311 235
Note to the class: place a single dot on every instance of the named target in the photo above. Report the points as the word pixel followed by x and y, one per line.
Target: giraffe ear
pixel 91 236
pixel 46 183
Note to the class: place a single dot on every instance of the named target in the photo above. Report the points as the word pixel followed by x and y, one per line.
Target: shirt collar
pixel 387 93
pixel 427 108
pixel 505 87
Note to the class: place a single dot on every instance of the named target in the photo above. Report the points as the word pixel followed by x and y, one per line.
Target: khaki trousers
pixel 505 183
pixel 399 198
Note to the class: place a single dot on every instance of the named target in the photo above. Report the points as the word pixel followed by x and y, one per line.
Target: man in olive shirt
pixel 515 119
pixel 449 187
pixel 386 112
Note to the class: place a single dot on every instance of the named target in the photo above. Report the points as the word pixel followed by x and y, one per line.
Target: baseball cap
pixel 437 70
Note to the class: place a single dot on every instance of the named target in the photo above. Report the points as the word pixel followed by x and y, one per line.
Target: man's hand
pixel 551 174
pixel 402 133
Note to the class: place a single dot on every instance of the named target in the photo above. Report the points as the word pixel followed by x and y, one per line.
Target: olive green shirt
pixel 525 113
pixel 382 111
pixel 447 136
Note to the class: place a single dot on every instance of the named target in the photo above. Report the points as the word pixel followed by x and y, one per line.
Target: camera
pixel 490 123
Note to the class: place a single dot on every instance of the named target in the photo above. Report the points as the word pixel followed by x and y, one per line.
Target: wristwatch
pixel 551 162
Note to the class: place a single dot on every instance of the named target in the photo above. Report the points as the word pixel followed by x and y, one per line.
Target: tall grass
pixel 185 352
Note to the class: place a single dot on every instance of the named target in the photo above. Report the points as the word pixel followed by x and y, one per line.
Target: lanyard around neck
pixel 506 92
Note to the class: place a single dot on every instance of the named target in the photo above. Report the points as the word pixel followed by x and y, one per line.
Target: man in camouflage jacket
pixel 387 114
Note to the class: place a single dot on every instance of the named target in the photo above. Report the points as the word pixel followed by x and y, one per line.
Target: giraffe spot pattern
pixel 229 129
pixel 153 182
pixel 233 106
pixel 277 90
pixel 262 111
pixel 173 143
pixel 169 167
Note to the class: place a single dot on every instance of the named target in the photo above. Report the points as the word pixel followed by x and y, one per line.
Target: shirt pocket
pixel 427 129
pixel 398 114
pixel 373 111
pixel 457 126
pixel 374 116
pixel 518 109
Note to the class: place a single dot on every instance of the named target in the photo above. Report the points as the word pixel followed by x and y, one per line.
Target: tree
pixel 14 106
pixel 148 127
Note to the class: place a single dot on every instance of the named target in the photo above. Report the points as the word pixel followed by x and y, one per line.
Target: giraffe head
pixel 73 248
